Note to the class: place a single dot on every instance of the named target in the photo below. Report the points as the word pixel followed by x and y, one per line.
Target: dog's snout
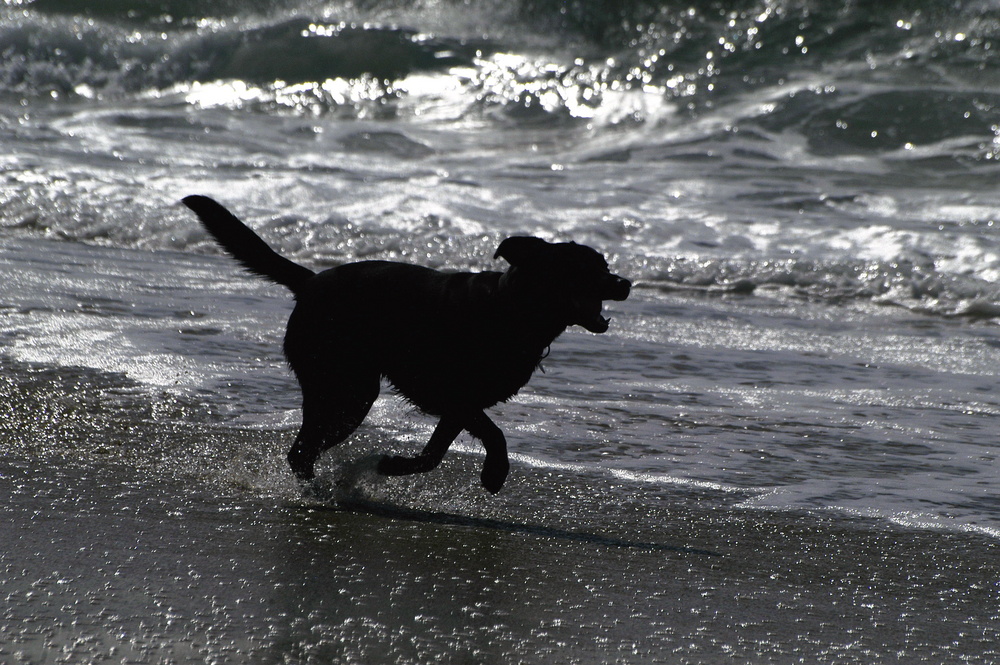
pixel 619 288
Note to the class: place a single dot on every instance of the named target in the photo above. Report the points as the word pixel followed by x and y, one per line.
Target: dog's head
pixel 570 280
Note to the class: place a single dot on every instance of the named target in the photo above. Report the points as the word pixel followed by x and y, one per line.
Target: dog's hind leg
pixel 444 434
pixel 328 418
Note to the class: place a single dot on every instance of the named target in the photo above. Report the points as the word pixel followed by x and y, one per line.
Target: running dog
pixel 452 343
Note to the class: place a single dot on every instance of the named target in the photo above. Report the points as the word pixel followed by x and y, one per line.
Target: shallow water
pixel 782 451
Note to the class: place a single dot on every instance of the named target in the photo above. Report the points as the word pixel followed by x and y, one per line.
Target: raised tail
pixel 246 246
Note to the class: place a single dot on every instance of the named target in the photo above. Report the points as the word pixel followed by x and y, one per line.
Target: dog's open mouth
pixel 592 319
pixel 598 324
pixel 589 311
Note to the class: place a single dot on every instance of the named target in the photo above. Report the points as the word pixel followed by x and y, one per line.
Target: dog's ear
pixel 521 250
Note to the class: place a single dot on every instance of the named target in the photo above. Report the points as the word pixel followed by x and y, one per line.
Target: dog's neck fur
pixel 518 299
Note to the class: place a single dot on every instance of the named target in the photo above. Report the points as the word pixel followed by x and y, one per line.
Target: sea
pixel 784 450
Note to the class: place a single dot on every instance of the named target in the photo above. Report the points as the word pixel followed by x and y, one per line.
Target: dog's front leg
pixel 496 467
pixel 444 434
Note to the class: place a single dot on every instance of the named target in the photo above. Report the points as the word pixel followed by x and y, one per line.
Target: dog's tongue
pixel 596 324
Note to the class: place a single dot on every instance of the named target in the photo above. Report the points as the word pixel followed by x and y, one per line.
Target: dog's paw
pixel 394 465
pixel 304 477
pixel 494 474
pixel 302 465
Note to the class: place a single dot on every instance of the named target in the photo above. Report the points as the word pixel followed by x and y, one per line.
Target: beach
pixel 783 449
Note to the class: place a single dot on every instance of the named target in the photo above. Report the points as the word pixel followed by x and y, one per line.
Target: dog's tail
pixel 246 246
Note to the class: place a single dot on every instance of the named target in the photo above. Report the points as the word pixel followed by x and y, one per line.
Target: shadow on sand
pixel 390 511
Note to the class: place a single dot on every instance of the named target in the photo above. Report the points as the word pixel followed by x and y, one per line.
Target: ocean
pixel 783 450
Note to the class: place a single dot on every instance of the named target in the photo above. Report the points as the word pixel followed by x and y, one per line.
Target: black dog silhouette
pixel 452 343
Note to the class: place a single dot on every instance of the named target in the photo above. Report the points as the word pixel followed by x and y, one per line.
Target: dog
pixel 451 343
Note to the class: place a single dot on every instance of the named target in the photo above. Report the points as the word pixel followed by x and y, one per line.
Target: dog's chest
pixel 462 379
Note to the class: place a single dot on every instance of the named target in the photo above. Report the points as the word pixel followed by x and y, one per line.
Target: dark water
pixel 783 451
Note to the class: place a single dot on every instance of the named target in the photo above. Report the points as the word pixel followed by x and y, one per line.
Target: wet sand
pixel 102 565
